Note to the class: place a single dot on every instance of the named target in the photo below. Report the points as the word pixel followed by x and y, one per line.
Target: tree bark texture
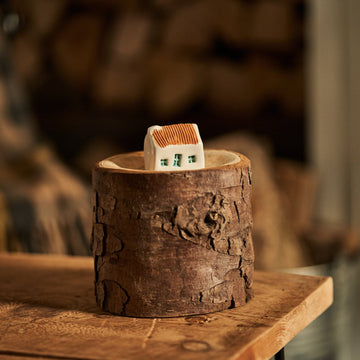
pixel 172 243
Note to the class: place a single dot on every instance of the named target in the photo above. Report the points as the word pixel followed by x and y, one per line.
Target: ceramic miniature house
pixel 173 147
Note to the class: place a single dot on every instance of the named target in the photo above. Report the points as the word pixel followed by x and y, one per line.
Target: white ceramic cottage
pixel 173 147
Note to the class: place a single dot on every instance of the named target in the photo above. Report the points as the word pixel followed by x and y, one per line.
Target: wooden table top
pixel 48 311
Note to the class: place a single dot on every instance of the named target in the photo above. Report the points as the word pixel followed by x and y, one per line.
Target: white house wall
pixel 149 153
pixel 185 150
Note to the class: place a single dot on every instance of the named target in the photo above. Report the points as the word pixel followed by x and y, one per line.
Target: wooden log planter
pixel 172 243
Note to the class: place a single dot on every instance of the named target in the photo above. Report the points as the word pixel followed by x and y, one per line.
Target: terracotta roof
pixel 178 134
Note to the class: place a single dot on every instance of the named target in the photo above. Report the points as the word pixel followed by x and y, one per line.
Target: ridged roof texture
pixel 177 134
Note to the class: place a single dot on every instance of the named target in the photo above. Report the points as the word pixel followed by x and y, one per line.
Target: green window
pixel 191 159
pixel 177 160
pixel 164 162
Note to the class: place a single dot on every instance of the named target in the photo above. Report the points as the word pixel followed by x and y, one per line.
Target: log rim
pixel 237 159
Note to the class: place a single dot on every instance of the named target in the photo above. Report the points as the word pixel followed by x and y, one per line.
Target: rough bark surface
pixel 172 243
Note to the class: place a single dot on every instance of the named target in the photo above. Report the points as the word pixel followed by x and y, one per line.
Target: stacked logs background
pixel 235 61
pixel 44 207
pixel 99 72
pixel 286 232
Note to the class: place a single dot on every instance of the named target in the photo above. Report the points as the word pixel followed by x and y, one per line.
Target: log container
pixel 177 243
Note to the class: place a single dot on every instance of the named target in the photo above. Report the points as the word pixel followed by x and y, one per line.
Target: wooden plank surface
pixel 48 311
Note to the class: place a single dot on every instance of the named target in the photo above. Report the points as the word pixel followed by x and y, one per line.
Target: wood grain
pixel 48 310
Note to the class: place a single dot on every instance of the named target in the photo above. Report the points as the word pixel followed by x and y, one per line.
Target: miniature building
pixel 173 147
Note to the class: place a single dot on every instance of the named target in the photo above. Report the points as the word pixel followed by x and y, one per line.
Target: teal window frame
pixel 164 162
pixel 177 160
pixel 191 159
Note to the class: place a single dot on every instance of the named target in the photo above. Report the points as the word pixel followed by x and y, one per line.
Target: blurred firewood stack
pixel 44 207
pixel 160 60
pixel 166 55
pixel 204 61
pixel 286 234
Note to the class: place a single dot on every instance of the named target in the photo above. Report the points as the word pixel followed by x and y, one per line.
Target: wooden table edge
pixel 284 330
